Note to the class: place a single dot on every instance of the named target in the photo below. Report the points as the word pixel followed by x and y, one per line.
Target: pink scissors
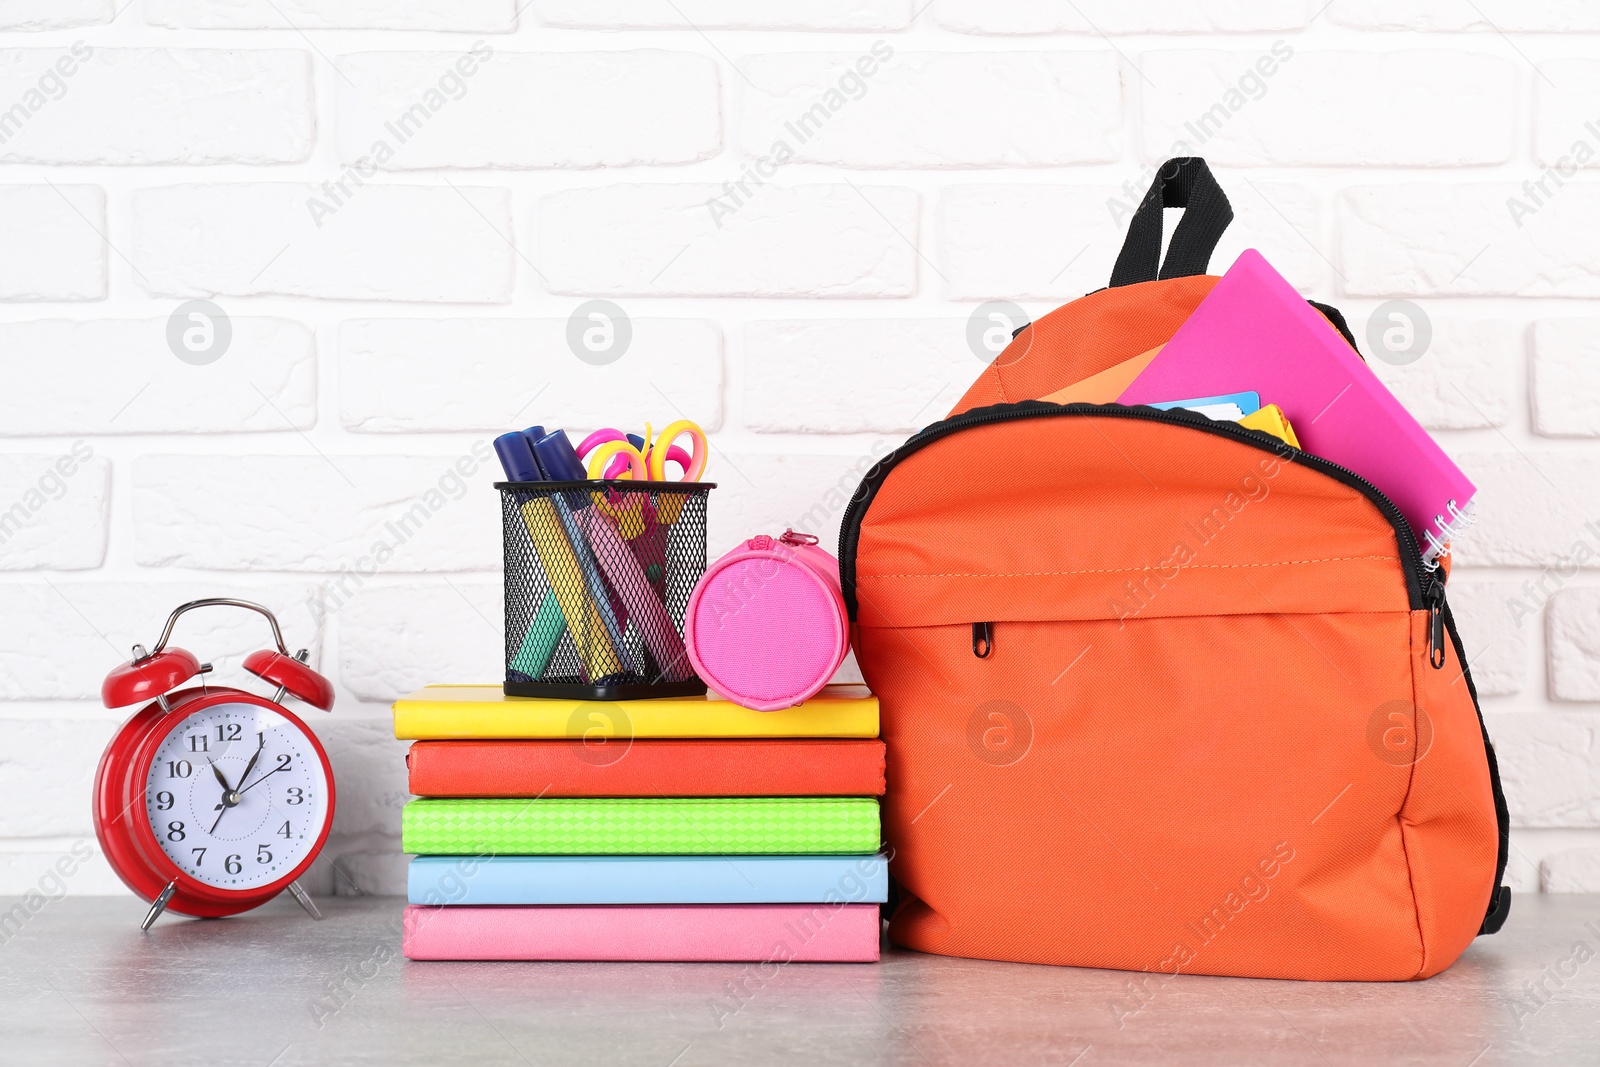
pixel 618 455
pixel 613 455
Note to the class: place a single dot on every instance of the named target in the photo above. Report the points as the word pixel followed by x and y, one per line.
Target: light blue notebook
pixel 647 879
pixel 1229 407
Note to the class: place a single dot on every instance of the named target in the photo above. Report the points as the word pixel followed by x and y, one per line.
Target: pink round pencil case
pixel 765 626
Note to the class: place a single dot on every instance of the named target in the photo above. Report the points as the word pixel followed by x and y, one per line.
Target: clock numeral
pixel 199 856
pixel 197 743
pixel 232 864
pixel 283 762
pixel 175 831
pixel 263 854
pixel 283 831
pixel 164 801
pixel 295 795
pixel 179 768
pixel 229 731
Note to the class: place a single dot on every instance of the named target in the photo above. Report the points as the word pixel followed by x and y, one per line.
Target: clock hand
pixel 230 795
pixel 258 781
pixel 261 743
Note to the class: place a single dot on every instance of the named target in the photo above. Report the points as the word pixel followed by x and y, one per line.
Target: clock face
pixel 237 796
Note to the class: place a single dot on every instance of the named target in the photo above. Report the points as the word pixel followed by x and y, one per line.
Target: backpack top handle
pixel 1183 182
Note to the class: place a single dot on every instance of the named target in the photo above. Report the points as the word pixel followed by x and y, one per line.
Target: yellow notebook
pixel 441 712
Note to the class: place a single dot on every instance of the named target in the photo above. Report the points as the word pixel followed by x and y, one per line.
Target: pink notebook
pixel 1255 332
pixel 807 933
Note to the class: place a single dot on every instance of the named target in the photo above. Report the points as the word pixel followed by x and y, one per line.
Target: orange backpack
pixel 1162 693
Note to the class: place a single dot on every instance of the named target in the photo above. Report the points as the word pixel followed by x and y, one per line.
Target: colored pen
pixel 560 463
pixel 562 570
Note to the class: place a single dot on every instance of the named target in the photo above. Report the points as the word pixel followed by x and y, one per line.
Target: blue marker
pixel 560 463
pixel 533 433
pixel 517 458
pixel 544 634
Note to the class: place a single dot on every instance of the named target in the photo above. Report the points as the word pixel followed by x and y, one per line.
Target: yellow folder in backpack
pixel 1271 419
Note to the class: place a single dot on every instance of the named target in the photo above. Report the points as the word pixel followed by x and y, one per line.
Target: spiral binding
pixel 1447 530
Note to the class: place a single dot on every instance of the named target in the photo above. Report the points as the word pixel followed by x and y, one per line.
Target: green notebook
pixel 648 826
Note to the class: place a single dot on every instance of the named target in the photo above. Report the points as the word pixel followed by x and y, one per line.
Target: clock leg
pixel 304 899
pixel 158 906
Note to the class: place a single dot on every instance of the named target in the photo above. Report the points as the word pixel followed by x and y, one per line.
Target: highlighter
pixel 567 597
pixel 560 463
pixel 619 564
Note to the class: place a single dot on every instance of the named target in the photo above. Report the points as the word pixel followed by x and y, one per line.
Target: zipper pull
pixel 982 639
pixel 791 538
pixel 1435 597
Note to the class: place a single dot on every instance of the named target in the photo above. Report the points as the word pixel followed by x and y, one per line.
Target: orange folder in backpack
pixel 1106 386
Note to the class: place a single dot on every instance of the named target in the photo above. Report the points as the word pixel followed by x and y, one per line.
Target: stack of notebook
pixel 670 829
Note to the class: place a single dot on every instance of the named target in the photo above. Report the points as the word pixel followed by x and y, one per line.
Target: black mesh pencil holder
pixel 598 576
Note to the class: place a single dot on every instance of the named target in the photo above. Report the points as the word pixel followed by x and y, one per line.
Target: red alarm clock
pixel 210 800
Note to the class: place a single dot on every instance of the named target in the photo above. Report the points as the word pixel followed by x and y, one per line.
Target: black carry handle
pixel 1184 182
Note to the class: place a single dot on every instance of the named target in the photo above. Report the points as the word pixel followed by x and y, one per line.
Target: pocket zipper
pixel 982 639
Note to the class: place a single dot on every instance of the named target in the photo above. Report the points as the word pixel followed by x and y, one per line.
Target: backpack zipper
pixel 1435 595
pixel 1419 577
pixel 982 639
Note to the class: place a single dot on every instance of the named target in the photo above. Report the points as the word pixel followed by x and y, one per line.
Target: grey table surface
pixel 79 984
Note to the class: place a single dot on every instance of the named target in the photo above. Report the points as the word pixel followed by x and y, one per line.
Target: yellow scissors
pixel 612 455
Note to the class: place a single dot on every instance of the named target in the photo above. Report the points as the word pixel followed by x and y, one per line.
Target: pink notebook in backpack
pixel 1254 332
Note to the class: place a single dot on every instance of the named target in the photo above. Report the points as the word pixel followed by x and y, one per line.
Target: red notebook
pixel 720 767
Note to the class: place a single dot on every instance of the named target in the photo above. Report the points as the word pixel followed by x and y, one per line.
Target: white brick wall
pixel 883 108
pixel 1040 242
pixel 725 14
pixel 486 108
pixel 485 16
pixel 913 375
pixel 1480 16
pixel 54 14
pixel 705 240
pixel 52 242
pixel 446 243
pixel 55 515
pixel 396 296
pixel 149 105
pixel 1282 105
pixel 138 387
pixel 1566 387
pixel 409 375
pixel 1469 382
pixel 1464 239
pixel 1114 16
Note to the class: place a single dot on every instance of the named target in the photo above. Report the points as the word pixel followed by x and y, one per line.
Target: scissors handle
pixel 614 457
pixel 612 454
pixel 665 449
